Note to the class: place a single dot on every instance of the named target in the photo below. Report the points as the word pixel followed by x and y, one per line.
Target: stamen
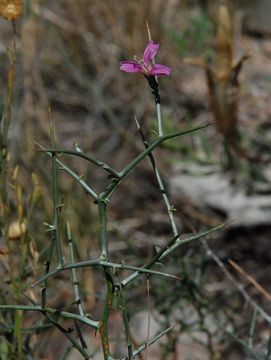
pixel 144 67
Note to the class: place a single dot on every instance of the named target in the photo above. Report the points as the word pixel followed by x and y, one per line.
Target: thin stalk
pixel 36 328
pixel 89 158
pixel 110 189
pixel 168 249
pixel 125 317
pixel 104 264
pixel 65 332
pixel 81 338
pixel 198 236
pixel 251 280
pixel 75 281
pixel 120 175
pixel 268 355
pixel 78 178
pixel 64 314
pixel 159 119
pixel 47 265
pixel 155 91
pixel 103 228
pixel 102 202
pixel 154 145
pixel 150 342
pixel 56 234
pixel 103 325
pixel 66 353
pixel 149 315
pixel 17 334
pixel 242 343
pixel 162 188
pixel 240 288
pixel 252 329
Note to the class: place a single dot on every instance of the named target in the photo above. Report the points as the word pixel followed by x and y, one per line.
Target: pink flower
pixel 145 65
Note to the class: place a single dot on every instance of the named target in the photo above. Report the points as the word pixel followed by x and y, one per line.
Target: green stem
pixel 154 145
pixel 78 178
pixel 56 235
pixel 125 317
pixel 153 82
pixel 104 264
pixel 160 184
pixel 253 355
pixel 65 332
pixel 110 189
pixel 103 328
pixel 75 281
pixel 150 342
pixel 47 265
pixel 159 119
pixel 116 181
pixel 35 328
pixel 49 310
pixel 103 228
pixel 168 249
pixel 82 155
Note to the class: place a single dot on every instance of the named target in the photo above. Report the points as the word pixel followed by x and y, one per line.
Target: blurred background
pixel 68 55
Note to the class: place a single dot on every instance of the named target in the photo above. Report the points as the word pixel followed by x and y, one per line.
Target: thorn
pixel 137 123
pixel 77 147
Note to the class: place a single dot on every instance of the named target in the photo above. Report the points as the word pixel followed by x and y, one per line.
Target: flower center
pixel 145 67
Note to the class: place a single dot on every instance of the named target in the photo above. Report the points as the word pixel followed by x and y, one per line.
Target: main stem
pixel 159 120
pixel 103 325
pixel 153 82
pixel 103 228
pixel 168 206
pixel 75 281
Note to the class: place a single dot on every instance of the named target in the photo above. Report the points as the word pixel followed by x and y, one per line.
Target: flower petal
pixel 158 69
pixel 130 66
pixel 150 52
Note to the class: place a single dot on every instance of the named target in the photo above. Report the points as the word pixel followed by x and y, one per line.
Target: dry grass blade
pixel 224 44
pixel 223 86
pixel 251 279
pixel 240 288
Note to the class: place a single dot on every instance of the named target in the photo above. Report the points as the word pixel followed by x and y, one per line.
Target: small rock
pixel 215 190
